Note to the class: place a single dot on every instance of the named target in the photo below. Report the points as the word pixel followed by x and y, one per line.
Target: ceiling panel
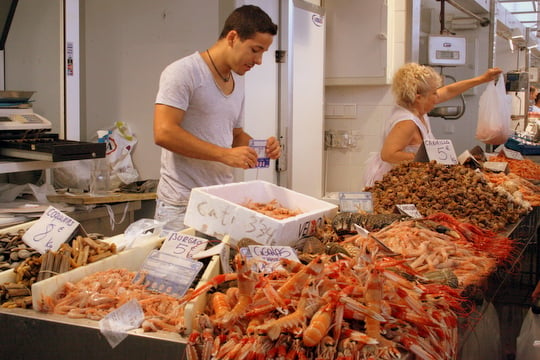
pixel 524 11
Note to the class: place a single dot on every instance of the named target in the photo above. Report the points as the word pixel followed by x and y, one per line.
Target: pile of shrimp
pixel 525 168
pixel 335 307
pixel 98 294
pixel 272 209
pixel 471 253
pixel 516 184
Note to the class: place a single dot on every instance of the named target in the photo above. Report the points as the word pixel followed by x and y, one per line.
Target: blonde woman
pixel 417 89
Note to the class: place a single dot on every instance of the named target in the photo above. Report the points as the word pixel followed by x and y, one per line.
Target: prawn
pixel 307 306
pixel 319 325
pixel 247 280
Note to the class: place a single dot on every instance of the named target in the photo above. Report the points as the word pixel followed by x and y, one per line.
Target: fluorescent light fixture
pixel 511 43
pixel 532 46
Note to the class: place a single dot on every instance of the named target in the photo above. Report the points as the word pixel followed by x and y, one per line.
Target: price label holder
pixel 468 159
pixel 439 150
pixel 168 274
pixel 183 245
pixel 260 147
pixel 511 154
pixel 114 325
pixel 267 257
pixel 51 230
pixel 355 202
pixel 409 210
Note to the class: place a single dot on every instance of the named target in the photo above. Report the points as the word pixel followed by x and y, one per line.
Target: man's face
pixel 248 53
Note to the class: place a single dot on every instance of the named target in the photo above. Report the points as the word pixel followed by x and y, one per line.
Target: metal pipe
pixel 527 102
pixel 483 21
pixel 492 45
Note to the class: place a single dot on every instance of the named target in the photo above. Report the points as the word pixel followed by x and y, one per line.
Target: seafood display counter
pixel 354 286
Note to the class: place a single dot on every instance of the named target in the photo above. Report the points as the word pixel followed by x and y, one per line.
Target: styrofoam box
pixel 217 211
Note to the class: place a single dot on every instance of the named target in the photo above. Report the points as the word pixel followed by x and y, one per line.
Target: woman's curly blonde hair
pixel 412 79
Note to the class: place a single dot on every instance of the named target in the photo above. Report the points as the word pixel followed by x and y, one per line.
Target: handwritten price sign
pixel 441 150
pixel 183 245
pixel 51 230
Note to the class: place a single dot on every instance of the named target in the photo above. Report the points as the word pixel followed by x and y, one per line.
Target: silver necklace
pixel 225 79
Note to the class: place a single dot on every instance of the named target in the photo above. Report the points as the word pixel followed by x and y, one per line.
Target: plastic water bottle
pixel 100 177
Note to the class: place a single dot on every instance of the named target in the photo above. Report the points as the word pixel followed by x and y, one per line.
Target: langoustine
pixel 339 308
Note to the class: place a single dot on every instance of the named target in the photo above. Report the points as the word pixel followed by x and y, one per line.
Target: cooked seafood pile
pixel 96 295
pixel 80 251
pixel 455 190
pixel 272 209
pixel 517 186
pixel 13 250
pixel 348 299
pixel 335 307
pixel 525 168
pixel 439 245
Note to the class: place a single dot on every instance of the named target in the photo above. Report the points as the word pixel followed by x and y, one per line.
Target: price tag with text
pixel 355 202
pixel 183 245
pixel 512 154
pixel 268 256
pixel 51 230
pixel 410 210
pixel 168 274
pixel 439 150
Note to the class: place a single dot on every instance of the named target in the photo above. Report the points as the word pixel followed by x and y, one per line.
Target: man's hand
pixel 273 148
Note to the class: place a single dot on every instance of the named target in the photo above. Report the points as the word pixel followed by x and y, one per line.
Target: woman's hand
pixel 492 74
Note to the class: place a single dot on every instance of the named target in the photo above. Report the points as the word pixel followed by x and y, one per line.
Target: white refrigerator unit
pixel 285 95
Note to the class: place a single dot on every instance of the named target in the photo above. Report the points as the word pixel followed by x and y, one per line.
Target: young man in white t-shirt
pixel 199 114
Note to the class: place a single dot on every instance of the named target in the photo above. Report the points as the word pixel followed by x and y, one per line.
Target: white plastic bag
pixel 527 343
pixel 494 114
pixel 120 144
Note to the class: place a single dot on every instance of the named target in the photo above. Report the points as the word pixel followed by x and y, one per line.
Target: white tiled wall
pixel 344 167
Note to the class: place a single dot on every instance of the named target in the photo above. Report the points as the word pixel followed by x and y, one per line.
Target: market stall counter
pixel 27 334
pixel 355 287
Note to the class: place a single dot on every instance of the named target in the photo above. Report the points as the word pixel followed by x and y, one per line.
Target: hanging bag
pixel 494 115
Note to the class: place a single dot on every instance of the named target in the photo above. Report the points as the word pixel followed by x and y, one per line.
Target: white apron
pixel 375 167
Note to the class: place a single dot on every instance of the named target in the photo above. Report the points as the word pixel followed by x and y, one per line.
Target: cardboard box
pixel 217 211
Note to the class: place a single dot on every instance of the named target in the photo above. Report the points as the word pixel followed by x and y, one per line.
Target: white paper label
pixel 355 202
pixel 51 230
pixel 512 154
pixel 410 210
pixel 267 257
pixel 441 151
pixel 168 274
pixel 183 245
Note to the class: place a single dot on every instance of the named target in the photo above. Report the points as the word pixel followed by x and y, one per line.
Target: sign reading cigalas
pixel 51 230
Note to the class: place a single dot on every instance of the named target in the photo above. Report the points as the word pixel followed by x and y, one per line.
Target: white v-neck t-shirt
pixel 210 115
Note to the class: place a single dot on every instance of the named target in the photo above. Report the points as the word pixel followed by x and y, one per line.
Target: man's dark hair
pixel 248 20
